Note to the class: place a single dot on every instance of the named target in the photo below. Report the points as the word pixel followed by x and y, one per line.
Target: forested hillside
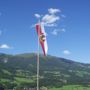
pixel 18 71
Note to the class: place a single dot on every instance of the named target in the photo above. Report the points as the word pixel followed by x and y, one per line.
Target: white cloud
pixel 50 19
pixel 5 46
pixel 32 26
pixel 53 11
pixel 66 52
pixel 37 15
pixel 63 30
pixel 50 25
pixel 62 15
pixel 57 31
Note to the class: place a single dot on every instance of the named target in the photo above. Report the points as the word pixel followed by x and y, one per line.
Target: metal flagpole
pixel 38 62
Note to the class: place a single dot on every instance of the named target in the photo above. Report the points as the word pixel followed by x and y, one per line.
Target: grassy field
pixel 71 87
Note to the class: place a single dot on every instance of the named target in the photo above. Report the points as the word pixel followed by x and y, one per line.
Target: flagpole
pixel 38 63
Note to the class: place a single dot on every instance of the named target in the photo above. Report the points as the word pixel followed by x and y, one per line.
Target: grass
pixel 71 87
pixel 23 80
pixel 6 72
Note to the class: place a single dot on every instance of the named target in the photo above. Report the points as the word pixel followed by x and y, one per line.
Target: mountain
pixel 17 71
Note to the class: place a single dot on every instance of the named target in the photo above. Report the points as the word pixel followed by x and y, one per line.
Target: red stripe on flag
pixel 40 33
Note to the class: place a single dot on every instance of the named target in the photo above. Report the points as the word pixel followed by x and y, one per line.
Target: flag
pixel 42 37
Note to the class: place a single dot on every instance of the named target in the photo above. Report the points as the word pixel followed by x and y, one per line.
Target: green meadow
pixel 71 87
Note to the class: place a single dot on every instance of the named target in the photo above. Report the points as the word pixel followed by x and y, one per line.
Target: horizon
pixel 66 25
pixel 46 56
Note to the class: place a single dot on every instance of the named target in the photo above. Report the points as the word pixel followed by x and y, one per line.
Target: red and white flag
pixel 42 37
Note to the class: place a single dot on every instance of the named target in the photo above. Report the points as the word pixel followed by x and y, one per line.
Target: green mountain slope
pixel 20 70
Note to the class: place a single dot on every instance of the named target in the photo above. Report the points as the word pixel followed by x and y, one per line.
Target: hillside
pixel 20 71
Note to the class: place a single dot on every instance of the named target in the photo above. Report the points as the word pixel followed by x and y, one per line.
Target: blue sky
pixel 68 29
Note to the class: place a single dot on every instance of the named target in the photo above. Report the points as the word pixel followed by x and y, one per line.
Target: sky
pixel 67 25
